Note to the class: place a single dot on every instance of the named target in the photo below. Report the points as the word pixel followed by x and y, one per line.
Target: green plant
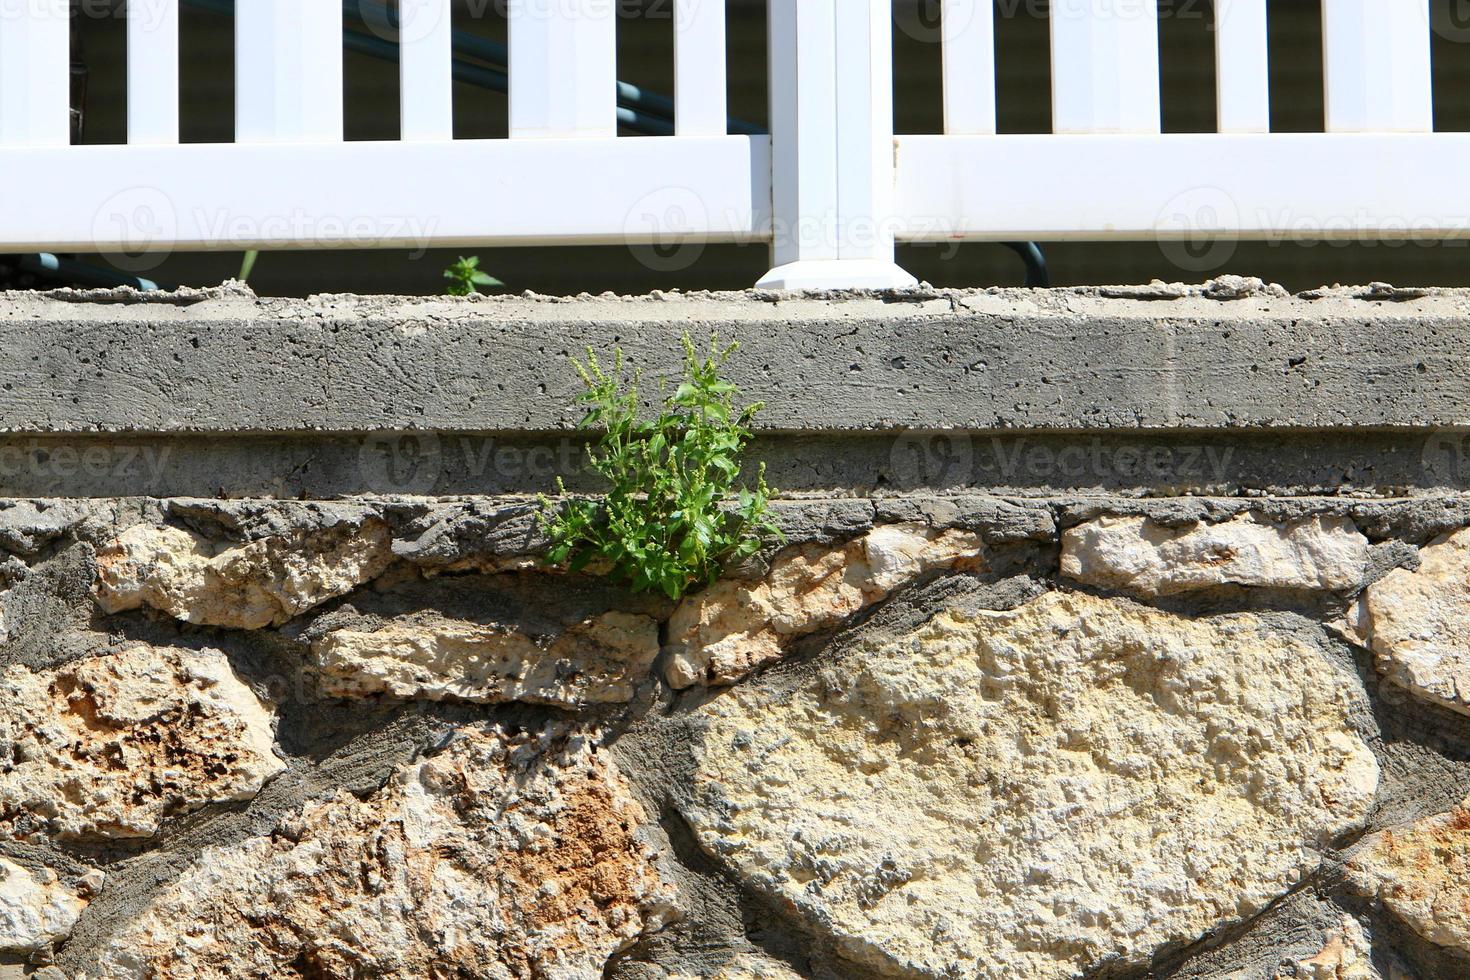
pixel 465 277
pixel 676 510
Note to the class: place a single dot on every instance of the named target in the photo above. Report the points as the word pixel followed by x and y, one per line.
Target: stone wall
pixel 1193 728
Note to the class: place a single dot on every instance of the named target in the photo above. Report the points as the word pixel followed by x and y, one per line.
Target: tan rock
pixel 108 746
pixel 723 633
pixel 36 909
pixel 1417 623
pixel 504 856
pixel 1421 873
pixel 1135 554
pixel 246 586
pixel 1037 793
pixel 747 966
pixel 600 660
pixel 1347 955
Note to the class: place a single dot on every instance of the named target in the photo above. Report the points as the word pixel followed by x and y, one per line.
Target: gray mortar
pixel 226 362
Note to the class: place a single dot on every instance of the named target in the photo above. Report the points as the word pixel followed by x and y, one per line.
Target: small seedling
pixel 676 511
pixel 466 279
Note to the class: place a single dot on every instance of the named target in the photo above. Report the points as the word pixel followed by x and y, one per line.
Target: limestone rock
pixel 597 661
pixel 36 909
pixel 503 856
pixel 1039 793
pixel 247 586
pixel 570 641
pixel 747 966
pixel 1417 623
pixel 108 746
pixel 723 633
pixel 1135 554
pixel 1422 874
pixel 1347 955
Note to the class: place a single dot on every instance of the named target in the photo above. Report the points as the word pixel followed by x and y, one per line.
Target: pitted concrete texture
pixel 1234 354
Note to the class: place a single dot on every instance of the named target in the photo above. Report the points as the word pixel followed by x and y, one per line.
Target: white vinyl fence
pixel 831 188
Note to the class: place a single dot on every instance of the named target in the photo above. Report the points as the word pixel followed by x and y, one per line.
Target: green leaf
pixel 673 512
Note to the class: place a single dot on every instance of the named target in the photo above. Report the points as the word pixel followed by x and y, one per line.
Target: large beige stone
pixel 1135 554
pixel 1417 623
pixel 1347 955
pixel 597 661
pixel 723 633
pixel 36 909
pixel 746 966
pixel 1036 793
pixel 108 746
pixel 1421 873
pixel 504 856
pixel 247 586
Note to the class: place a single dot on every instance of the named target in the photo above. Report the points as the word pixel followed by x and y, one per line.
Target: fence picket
pixel 699 68
pixel 1105 66
pixel 1377 66
pixel 1242 87
pixel 35 77
pixel 288 71
pixel 426 70
pixel 563 68
pixel 968 34
pixel 153 71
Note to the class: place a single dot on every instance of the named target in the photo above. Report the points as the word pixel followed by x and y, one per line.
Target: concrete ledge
pixel 1163 357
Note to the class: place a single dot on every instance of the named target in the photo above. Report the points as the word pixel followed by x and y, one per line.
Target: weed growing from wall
pixel 676 510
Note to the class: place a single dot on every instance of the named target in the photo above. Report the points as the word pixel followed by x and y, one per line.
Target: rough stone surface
pixel 1347 955
pixel 501 857
pixel 927 359
pixel 36 909
pixel 750 966
pixel 596 661
pixel 109 746
pixel 734 627
pixel 1417 623
pixel 1421 873
pixel 1071 785
pixel 247 586
pixel 1137 555
pixel 570 641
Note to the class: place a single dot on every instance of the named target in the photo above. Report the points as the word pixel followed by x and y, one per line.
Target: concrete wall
pixel 1115 634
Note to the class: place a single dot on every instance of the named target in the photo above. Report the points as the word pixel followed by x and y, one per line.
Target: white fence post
pixel 288 71
pixel 426 69
pixel 35 78
pixel 1243 83
pixel 832 145
pixel 1105 66
pixel 563 68
pixel 1377 66
pixel 153 72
